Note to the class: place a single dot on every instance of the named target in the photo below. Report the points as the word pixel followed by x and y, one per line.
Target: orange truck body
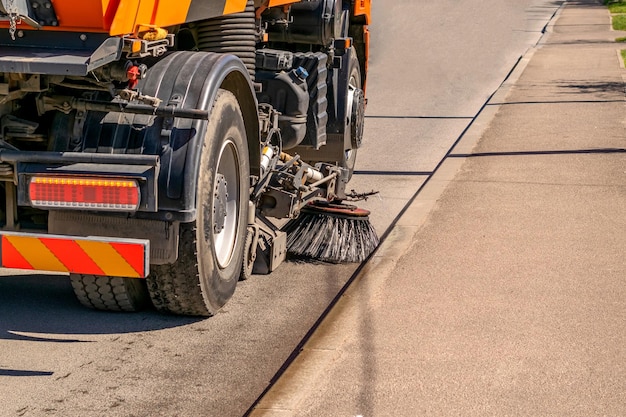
pixel 124 17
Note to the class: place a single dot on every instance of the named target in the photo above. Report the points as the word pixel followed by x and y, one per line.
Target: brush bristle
pixel 329 238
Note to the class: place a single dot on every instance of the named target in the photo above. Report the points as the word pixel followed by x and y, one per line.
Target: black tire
pixel 349 155
pixel 110 293
pixel 249 255
pixel 211 248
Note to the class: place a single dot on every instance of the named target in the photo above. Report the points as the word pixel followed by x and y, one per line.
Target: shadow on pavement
pixel 532 153
pixel 17 372
pixel 592 87
pixel 45 305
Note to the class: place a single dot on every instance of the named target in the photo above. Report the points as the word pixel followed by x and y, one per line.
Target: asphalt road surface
pixel 433 65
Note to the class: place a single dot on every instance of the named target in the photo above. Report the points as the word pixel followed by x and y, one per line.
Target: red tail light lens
pixel 84 193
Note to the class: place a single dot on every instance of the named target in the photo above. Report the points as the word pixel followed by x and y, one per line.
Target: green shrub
pixel 616 6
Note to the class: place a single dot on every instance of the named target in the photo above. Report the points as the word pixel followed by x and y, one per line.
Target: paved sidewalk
pixel 509 298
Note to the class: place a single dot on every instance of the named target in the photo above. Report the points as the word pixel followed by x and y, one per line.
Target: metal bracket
pixel 16 11
pixel 146 48
pixel 43 11
pixel 271 247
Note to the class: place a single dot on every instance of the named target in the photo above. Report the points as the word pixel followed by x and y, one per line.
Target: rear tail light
pixel 84 193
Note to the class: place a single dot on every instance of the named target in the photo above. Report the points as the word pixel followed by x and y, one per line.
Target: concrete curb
pixel 323 347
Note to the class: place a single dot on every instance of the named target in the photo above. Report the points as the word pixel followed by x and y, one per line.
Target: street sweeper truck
pixel 151 148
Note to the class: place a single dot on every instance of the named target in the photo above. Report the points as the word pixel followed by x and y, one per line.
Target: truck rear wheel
pixel 211 248
pixel 110 293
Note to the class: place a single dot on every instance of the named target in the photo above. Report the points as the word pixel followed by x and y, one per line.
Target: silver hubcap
pixel 226 204
pixel 220 197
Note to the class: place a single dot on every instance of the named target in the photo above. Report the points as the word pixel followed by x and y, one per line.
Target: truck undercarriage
pixel 151 149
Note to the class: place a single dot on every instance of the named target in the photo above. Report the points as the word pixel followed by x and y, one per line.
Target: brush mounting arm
pixel 289 184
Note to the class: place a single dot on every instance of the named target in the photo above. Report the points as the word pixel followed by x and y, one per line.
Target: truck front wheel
pixel 211 248
pixel 355 86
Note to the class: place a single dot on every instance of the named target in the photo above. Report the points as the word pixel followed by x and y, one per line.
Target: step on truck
pixel 150 148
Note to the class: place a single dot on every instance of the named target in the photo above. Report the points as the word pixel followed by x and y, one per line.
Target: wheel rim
pixel 226 204
pixel 350 155
pixel 354 84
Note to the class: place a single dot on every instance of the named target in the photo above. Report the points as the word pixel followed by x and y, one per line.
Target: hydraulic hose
pixel 231 34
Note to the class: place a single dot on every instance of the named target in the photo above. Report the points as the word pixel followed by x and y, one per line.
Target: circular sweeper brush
pixel 329 232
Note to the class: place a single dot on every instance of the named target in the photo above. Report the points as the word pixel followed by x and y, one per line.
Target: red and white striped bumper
pixel 114 257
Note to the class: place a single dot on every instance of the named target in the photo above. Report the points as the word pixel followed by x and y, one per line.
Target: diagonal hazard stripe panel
pixel 36 253
pixel 133 254
pixel 77 261
pixel 11 258
pixel 108 259
pixel 119 257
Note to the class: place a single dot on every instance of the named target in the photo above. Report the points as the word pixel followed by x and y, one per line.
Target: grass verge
pixel 617 7
pixel 618 20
